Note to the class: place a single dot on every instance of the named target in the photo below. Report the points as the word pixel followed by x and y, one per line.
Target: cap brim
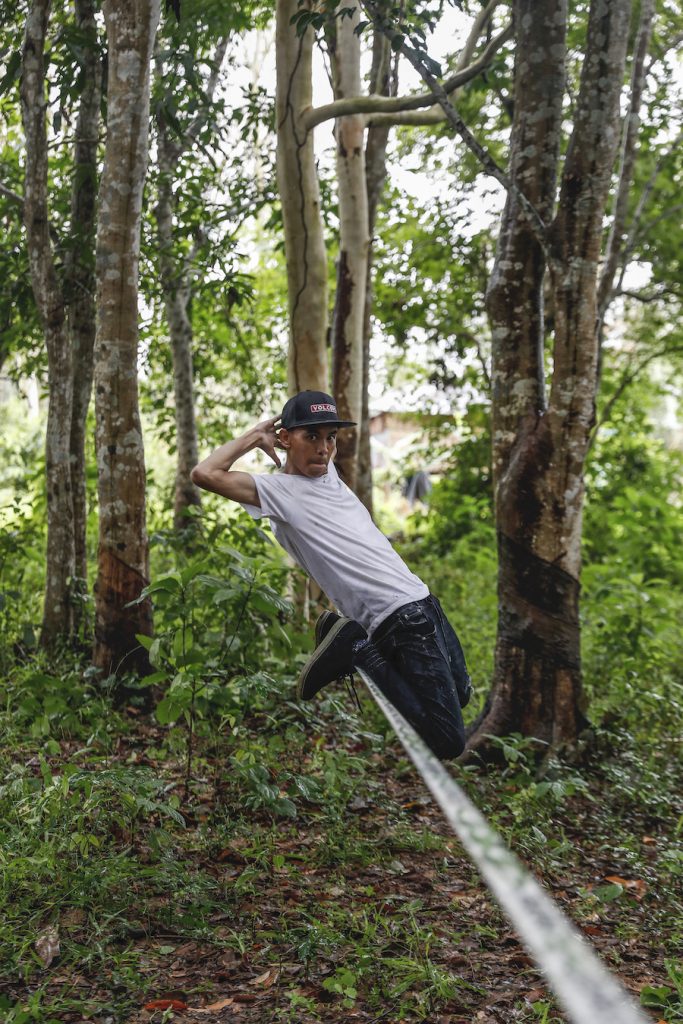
pixel 322 423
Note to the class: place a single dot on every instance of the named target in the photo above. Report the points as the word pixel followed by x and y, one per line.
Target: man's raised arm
pixel 214 473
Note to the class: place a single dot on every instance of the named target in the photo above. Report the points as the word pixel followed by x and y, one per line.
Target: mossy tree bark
pixel 305 253
pixel 58 609
pixel 382 83
pixel 80 267
pixel 539 442
pixel 352 265
pixel 123 552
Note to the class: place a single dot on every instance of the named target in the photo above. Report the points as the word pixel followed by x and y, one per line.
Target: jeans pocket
pixel 417 622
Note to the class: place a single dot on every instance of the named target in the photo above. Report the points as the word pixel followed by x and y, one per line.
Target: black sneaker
pixel 332 658
pixel 324 624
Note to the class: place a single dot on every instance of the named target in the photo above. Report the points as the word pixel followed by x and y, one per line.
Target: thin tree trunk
pixel 80 269
pixel 123 554
pixel 58 618
pixel 300 197
pixel 382 83
pixel 177 292
pixel 180 327
pixel 352 267
pixel 629 152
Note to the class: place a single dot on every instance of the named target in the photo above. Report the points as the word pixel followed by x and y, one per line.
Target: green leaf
pixel 144 641
pixel 153 678
pixel 608 893
pixel 653 997
pixel 155 653
pixel 170 582
pixel 168 710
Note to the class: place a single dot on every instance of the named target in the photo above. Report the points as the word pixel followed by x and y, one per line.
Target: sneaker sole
pixel 311 661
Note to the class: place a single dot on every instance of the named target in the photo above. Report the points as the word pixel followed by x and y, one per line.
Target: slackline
pixel 588 992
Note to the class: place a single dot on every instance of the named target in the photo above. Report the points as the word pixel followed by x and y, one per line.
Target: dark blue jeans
pixel 416 660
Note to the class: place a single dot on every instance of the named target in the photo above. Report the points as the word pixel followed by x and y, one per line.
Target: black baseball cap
pixel 310 408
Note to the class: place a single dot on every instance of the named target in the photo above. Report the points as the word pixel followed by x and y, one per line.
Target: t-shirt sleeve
pixel 275 502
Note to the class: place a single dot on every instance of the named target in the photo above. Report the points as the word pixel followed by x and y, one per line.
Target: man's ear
pixel 283 437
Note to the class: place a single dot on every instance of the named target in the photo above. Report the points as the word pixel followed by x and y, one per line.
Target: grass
pixel 305 875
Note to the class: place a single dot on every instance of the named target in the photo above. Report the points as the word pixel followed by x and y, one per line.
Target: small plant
pixel 343 983
pixel 189 651
pixel 665 999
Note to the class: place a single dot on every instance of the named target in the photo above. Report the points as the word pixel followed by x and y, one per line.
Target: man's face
pixel 309 449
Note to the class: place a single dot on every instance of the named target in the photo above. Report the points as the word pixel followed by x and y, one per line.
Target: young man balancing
pixel 391 626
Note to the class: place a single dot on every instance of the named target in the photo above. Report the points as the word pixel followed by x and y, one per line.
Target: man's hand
pixel 266 438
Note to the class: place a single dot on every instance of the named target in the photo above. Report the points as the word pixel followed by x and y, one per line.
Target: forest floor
pixel 305 875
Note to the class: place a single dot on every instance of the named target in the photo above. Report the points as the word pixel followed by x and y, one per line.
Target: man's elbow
pixel 198 476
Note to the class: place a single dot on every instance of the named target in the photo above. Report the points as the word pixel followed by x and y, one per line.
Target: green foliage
pixel 214 632
pixel 666 999
pixel 633 512
pixel 461 501
pixel 431 289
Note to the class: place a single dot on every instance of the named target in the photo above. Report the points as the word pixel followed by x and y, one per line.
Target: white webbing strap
pixel 585 988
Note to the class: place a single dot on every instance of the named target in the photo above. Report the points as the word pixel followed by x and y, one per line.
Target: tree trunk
pixel 80 269
pixel 352 267
pixel 58 617
pixel 381 83
pixel 539 451
pixel 299 194
pixel 123 554
pixel 177 292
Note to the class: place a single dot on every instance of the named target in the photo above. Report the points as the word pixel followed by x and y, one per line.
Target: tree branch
pixel 434 115
pixel 629 149
pixel 627 377
pixel 391 106
pixel 533 217
pixel 646 297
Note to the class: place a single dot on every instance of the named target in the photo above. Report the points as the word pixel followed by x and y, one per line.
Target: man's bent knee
pixel 447 746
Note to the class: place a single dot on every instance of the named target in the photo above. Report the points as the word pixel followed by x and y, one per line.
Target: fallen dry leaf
pixel 165 1004
pixel 267 979
pixel 212 1007
pixel 47 945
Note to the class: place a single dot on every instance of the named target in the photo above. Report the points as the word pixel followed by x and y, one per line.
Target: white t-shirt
pixel 330 533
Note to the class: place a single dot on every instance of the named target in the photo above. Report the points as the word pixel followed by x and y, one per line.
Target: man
pixel 391 626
